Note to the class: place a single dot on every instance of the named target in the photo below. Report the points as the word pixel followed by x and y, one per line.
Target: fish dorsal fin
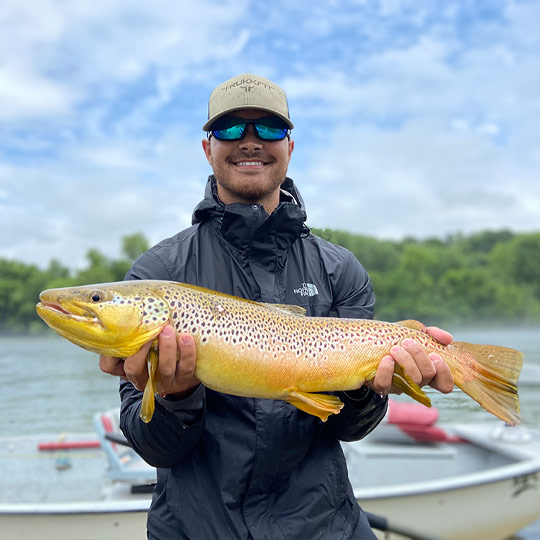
pixel 216 293
pixel 413 325
pixel 287 308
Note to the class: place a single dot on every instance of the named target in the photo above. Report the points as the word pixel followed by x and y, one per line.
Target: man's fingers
pixel 442 336
pixel 112 365
pixel 423 371
pixel 402 356
pixel 382 382
pixel 168 353
pixel 443 380
pixel 136 368
pixel 188 358
pixel 177 360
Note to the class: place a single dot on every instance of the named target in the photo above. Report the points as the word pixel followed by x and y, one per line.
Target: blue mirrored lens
pixel 270 133
pixel 231 133
pixel 230 128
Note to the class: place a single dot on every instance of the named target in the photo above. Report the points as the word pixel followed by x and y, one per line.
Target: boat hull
pixel 484 485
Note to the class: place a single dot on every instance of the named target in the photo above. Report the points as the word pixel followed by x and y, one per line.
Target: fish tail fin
pixel 490 378
pixel 148 404
pixel 320 405
pixel 406 384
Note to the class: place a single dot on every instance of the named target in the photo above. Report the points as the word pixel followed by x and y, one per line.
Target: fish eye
pixel 96 296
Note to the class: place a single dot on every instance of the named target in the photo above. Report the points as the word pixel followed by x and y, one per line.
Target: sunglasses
pixel 231 128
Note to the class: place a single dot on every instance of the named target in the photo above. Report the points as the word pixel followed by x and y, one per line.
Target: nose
pixel 250 141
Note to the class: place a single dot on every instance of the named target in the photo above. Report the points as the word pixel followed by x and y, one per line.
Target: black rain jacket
pixel 241 468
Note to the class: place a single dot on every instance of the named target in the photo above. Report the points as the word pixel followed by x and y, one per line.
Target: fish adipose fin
pixel 491 379
pixel 413 325
pixel 320 405
pixel 406 384
pixel 148 401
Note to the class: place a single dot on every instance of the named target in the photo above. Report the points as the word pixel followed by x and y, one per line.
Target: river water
pixel 50 386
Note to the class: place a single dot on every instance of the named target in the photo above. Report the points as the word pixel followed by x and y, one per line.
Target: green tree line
pixel 488 277
pixel 21 283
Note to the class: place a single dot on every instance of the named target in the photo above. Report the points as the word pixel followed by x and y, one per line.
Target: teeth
pixel 249 163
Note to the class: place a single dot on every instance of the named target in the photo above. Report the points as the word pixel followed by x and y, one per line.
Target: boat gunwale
pixel 84 507
pixel 470 480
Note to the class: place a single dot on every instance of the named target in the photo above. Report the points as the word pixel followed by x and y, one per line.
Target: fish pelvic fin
pixel 491 378
pixel 406 384
pixel 320 405
pixel 148 404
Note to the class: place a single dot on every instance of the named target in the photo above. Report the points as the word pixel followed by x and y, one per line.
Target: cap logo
pixel 247 85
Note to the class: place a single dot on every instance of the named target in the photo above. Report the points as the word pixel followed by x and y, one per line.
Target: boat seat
pixel 124 464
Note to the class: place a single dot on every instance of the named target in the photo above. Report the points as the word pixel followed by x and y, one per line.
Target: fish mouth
pixel 85 315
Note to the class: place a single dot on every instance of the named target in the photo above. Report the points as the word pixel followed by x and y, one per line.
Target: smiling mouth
pixel 249 163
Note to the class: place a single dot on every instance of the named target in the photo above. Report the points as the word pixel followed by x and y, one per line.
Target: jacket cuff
pixel 192 403
pixel 360 397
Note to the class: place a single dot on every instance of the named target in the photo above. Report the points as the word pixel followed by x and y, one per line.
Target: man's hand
pixel 174 378
pixel 423 369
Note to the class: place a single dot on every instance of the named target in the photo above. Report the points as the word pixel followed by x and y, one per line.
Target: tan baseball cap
pixel 247 91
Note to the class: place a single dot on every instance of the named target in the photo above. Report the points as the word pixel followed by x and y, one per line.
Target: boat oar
pixel 117 438
pixel 382 524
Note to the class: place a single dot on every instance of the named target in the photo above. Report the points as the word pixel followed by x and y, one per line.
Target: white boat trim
pixel 90 507
pixel 449 484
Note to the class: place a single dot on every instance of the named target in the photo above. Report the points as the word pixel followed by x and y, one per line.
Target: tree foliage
pixel 486 277
pixel 21 283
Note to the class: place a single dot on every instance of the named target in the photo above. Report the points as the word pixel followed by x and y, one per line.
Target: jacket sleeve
pixel 363 409
pixel 176 426
pixel 173 432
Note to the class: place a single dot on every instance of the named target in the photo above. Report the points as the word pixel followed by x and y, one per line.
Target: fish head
pixel 112 319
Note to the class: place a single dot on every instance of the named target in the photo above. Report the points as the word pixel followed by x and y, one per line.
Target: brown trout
pixel 253 349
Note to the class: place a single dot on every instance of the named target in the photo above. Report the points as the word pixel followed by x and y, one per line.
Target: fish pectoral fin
pixel 406 384
pixel 320 405
pixel 148 404
pixel 413 325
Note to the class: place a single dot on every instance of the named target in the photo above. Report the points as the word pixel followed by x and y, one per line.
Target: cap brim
pixel 211 120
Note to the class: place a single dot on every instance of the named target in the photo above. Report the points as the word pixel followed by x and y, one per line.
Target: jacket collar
pixel 264 239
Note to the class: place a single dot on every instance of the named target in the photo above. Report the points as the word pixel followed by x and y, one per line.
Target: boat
pixel 428 481
pixel 457 481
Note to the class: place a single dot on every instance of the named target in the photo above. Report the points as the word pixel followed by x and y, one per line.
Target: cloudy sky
pixel 413 117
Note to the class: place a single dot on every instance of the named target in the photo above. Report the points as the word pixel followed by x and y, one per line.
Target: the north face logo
pixel 307 289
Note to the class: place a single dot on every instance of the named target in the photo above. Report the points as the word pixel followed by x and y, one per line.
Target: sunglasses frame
pixel 232 121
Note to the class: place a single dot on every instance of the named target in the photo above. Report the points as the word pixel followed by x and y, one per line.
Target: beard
pixel 250 187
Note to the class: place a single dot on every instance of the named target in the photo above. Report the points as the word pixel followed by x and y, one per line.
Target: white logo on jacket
pixel 306 289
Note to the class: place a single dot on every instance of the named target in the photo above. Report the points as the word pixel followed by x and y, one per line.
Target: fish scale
pixel 252 349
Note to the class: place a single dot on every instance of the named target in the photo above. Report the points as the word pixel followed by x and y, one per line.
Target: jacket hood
pixel 264 238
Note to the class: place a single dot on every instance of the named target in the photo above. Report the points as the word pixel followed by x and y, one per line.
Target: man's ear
pixel 207 150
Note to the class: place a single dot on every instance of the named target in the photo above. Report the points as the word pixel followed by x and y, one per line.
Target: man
pixel 240 468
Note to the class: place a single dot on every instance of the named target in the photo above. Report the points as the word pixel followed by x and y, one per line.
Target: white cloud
pixel 410 119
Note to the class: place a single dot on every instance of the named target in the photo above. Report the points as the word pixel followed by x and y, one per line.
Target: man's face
pixel 249 170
